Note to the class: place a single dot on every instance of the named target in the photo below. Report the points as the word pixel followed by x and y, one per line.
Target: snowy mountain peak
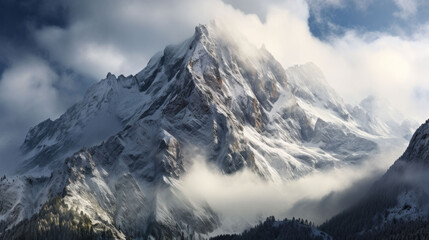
pixel 214 92
pixel 217 91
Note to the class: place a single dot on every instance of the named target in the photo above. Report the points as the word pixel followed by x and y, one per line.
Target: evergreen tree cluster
pixel 400 230
pixel 270 229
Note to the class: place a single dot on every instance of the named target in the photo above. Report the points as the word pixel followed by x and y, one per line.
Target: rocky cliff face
pixel 119 154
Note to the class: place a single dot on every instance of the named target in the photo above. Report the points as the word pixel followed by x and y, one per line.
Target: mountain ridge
pixel 214 92
pixel 396 204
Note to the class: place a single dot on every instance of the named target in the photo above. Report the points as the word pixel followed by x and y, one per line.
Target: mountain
pixel 117 156
pixel 396 207
pixel 377 116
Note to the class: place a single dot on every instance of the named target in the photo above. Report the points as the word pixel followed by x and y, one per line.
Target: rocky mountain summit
pixel 118 155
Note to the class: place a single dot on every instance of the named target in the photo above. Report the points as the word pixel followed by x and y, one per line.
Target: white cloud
pixel 27 96
pixel 407 8
pixel 79 53
pixel 109 36
pixel 243 198
pixel 356 64
pixel 27 91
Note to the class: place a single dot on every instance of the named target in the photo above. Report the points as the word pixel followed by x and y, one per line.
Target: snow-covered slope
pixel 98 116
pixel 119 154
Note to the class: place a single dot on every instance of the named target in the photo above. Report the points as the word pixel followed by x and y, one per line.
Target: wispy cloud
pixel 407 8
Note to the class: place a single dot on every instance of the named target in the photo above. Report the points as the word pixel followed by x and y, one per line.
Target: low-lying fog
pixel 243 199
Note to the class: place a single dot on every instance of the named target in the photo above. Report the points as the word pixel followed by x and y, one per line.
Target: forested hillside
pixel 270 229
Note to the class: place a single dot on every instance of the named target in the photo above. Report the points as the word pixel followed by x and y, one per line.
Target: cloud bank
pixel 243 199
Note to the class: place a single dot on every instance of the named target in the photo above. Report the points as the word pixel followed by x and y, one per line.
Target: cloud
pixel 108 36
pixel 27 89
pixel 242 199
pixel 85 56
pixel 27 96
pixel 407 8
pixel 318 5
pixel 356 64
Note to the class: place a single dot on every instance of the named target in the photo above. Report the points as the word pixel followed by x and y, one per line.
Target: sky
pixel 51 51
